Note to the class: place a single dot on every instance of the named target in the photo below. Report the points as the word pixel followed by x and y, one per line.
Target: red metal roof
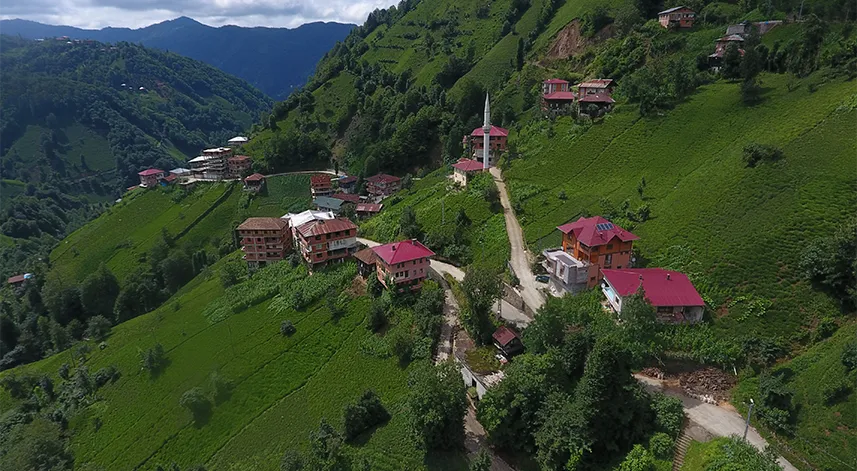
pixel 325 226
pixel 170 178
pixel 495 131
pixel 468 165
pixel 238 158
pixel 382 178
pixel 596 231
pixel 369 208
pixel 560 96
pixel 256 177
pixel 557 81
pixel 661 287
pixel 366 256
pixel 150 171
pixel 16 279
pixel 263 224
pixel 504 335
pixel 402 251
pixel 596 83
pixel 350 198
pixel 597 98
pixel 347 180
pixel 319 179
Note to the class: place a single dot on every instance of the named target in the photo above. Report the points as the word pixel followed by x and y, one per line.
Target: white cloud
pixel 136 14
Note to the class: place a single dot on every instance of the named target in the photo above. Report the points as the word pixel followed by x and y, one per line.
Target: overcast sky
pixel 139 13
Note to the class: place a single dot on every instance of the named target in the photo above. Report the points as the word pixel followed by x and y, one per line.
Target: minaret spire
pixel 486 135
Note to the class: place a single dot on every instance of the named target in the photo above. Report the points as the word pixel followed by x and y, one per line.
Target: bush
pixel 221 388
pixel 825 328
pixel 195 401
pixel 287 328
pixel 154 359
pixel 364 414
pixel 661 446
pixel 402 345
pixel 378 314
pixel 669 414
pixel 98 328
pixel 292 461
pixel 836 390
pixel 105 375
pixel 849 355
pixel 758 153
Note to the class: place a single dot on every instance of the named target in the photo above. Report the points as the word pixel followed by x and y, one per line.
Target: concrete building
pixel 488 142
pixel 324 241
pixel 149 178
pixel 348 184
pixel 464 169
pixel 671 293
pixel 383 185
pixel 254 183
pixel 677 17
pixel 320 185
pixel 326 203
pixel 237 141
pixel 238 166
pixel 264 240
pixel 405 263
pixel 182 174
pixel 556 95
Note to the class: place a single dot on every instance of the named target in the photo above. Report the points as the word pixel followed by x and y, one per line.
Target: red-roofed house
pixel 320 185
pixel 556 96
pixel 238 166
pixel 597 92
pixel 383 184
pixel 150 177
pixel 323 241
pixel 588 246
pixel 670 292
pixel 264 240
pixel 507 341
pixel 405 263
pixel 347 197
pixel 715 59
pixel 497 137
pixel 365 210
pixel 348 184
pixel 254 183
pixel 464 169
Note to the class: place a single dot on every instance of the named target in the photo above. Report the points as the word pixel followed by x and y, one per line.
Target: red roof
pixel 382 178
pixel 150 171
pixel 347 180
pixel 662 287
pixel 596 231
pixel 597 98
pixel 366 256
pixel 560 96
pixel 263 224
pixel 468 165
pixel 369 208
pixel 325 226
pixel 319 179
pixel 346 197
pixel 256 177
pixel 238 158
pixel 557 81
pixel 170 178
pixel 504 335
pixel 495 131
pixel 16 279
pixel 402 251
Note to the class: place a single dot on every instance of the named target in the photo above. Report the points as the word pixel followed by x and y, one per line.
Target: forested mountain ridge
pixel 151 107
pixel 274 60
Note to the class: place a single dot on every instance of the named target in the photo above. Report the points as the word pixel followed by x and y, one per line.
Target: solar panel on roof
pixel 604 226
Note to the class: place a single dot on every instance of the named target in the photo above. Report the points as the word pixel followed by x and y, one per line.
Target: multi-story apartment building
pixel 237 166
pixel 383 185
pixel 320 185
pixel 323 241
pixel 405 263
pixel 264 240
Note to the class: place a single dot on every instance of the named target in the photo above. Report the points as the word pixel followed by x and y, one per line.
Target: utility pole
pixel 442 212
pixel 749 412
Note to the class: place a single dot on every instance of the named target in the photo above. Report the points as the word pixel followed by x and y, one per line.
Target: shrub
pixel 287 328
pixel 292 461
pixel 378 314
pixel 221 388
pixel 825 328
pixel 105 375
pixel 669 414
pixel 661 446
pixel 849 355
pixel 402 345
pixel 364 414
pixel 195 401
pixel 97 328
pixel 836 390
pixel 154 359
pixel 757 153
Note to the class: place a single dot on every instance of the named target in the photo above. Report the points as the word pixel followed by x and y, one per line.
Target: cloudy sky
pixel 138 13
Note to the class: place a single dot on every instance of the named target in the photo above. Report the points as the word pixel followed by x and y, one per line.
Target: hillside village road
pixel 520 259
pixel 441 267
pixel 718 421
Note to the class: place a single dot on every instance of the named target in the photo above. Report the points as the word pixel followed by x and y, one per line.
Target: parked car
pixel 542 278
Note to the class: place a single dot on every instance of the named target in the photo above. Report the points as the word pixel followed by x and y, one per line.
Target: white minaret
pixel 486 135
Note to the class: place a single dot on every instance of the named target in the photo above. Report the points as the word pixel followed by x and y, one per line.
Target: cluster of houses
pixel 336 200
pixel 737 34
pixel 596 252
pixel 593 96
pixel 321 238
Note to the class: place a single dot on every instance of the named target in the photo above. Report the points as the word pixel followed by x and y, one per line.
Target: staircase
pixel 680 449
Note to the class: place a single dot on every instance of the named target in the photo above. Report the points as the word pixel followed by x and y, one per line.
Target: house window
pixel 608 259
pixel 609 246
pixel 318 237
pixel 318 255
pixel 328 236
pixel 348 232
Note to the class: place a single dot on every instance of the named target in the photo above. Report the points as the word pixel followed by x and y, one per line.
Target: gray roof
pixel 327 202
pixel 672 10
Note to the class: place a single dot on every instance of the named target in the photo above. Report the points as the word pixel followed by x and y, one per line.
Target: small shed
pixel 507 341
pixel 366 260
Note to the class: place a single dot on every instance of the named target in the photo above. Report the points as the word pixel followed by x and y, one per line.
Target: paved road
pixel 520 257
pixel 716 420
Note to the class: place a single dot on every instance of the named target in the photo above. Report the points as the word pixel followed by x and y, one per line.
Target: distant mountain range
pixel 274 60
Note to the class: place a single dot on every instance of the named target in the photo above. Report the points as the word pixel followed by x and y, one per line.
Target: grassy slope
pixel 699 191
pixel 825 432
pixel 429 198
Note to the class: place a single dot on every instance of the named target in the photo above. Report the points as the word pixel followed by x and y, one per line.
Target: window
pixel 318 255
pixel 318 237
pixel 609 246
pixel 608 259
pixel 348 232
pixel 328 236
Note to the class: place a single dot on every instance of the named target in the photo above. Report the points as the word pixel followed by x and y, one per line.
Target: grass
pixel 824 435
pixel 698 453
pixel 285 193
pixel 699 192
pixel 73 142
pixel 482 359
pixel 436 205
pixel 282 386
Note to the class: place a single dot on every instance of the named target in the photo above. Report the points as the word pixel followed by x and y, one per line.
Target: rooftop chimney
pixel 668 276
